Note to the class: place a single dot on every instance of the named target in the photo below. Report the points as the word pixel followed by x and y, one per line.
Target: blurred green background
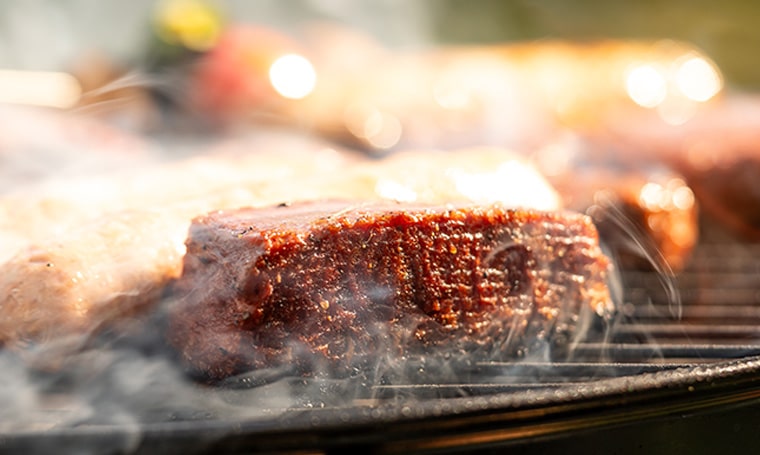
pixel 44 34
pixel 726 30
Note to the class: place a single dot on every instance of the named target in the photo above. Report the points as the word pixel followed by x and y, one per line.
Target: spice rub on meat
pixel 331 287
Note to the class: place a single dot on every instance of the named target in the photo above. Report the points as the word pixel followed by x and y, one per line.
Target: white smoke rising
pixel 105 384
pixel 132 380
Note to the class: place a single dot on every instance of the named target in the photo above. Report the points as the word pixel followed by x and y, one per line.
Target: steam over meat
pixel 88 277
pixel 36 144
pixel 331 287
pixel 75 256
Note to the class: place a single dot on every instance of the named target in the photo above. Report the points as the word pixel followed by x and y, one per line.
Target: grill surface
pixel 717 320
pixel 651 369
pixel 691 369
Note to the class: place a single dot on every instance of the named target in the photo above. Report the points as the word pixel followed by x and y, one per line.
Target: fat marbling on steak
pixel 331 287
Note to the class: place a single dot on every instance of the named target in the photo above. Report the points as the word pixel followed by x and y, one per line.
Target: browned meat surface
pixel 647 218
pixel 333 287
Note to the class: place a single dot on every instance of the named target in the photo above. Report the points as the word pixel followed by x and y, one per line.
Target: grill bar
pixel 744 314
pixel 707 331
pixel 717 315
pixel 631 352
pixel 713 296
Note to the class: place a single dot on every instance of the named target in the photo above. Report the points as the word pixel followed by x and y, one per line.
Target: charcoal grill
pixel 656 384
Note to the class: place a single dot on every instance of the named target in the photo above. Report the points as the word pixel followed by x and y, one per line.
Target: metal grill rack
pixel 718 319
pixel 651 369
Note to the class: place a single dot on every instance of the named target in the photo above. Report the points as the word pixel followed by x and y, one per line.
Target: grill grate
pixel 719 314
pixel 719 320
pixel 650 367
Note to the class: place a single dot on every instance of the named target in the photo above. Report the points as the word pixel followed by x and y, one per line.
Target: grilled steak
pixel 331 288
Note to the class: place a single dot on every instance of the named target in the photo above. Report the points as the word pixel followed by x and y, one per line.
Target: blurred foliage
pixel 726 30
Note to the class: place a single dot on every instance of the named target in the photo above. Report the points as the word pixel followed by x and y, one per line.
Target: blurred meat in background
pixel 608 86
pixel 614 97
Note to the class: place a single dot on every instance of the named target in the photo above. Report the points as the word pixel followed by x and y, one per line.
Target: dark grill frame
pixel 725 397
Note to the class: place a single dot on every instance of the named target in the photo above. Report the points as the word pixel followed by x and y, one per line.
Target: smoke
pixel 636 242
pixel 39 146
pixel 124 376
pixel 90 229
pixel 117 371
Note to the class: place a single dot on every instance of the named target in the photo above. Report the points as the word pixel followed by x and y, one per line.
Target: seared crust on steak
pixel 333 287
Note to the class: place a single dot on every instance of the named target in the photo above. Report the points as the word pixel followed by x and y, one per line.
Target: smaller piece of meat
pixel 717 151
pixel 334 288
pixel 88 277
pixel 645 216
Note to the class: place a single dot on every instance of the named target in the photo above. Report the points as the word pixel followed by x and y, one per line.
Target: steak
pixel 330 288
